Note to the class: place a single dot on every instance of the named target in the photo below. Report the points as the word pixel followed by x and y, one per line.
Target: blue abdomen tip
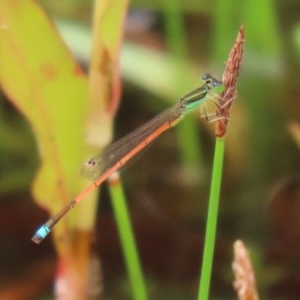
pixel 40 234
pixel 43 231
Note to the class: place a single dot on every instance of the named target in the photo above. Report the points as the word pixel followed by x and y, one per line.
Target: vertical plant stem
pixel 127 238
pixel 211 225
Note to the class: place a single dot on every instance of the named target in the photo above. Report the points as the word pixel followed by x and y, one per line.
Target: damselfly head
pixel 212 83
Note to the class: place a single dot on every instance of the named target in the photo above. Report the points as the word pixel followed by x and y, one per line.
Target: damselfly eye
pixel 206 77
pixel 216 83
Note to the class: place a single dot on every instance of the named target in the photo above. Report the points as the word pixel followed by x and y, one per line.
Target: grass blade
pixel 211 226
pixel 127 238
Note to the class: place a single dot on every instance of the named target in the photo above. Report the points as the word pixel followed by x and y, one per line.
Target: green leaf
pixel 45 83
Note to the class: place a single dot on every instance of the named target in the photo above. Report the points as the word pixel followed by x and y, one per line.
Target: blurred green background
pixel 168 188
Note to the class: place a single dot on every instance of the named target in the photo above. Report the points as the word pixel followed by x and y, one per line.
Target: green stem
pixel 211 226
pixel 127 238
